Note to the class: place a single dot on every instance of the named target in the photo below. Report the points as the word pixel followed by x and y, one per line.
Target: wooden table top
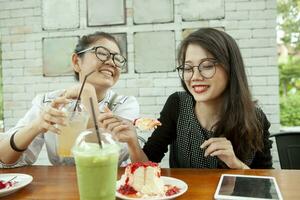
pixel 59 182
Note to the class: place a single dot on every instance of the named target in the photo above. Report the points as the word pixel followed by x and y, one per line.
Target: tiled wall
pixel 37 37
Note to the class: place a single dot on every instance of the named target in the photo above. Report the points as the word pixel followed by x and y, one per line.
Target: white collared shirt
pixel 123 106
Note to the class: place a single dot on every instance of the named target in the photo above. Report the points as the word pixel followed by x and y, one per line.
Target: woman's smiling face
pixel 106 74
pixel 203 89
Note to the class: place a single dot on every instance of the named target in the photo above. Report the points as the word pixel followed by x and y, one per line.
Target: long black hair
pixel 239 121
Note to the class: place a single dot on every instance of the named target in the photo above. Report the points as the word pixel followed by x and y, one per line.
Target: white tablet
pixel 233 186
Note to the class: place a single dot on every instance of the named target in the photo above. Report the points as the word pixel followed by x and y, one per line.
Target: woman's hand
pixel 122 129
pixel 73 92
pixel 51 115
pixel 222 148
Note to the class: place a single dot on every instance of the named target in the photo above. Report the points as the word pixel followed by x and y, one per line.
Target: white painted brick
pixel 151 109
pixel 13 38
pixel 270 109
pixel 273 80
pixel 6 47
pixel 255 61
pixel 12 22
pixel 37 20
pixel 4 14
pixel 257 80
pixel 271 23
pixel 128 91
pixel 10 55
pixel 259 52
pixel 240 34
pixel 171 90
pixel 271 4
pixel 9 122
pixel 21 12
pixel 22 96
pixel 246 53
pixel 257 5
pixel 13 72
pixel 37 88
pixel 216 23
pixel 237 15
pixel 151 91
pixel 262 90
pixel 22 30
pixel 261 42
pixel 120 84
pixel 139 82
pixel 264 71
pixel 272 60
pixel 23 46
pixel 33 62
pixel 19 113
pixel 146 101
pixel 274 118
pixel 4 31
pixel 7 97
pixel 8 113
pixel 161 100
pixel 33 54
pixel 231 24
pixel 245 24
pixel 153 75
pixel 173 74
pixel 17 63
pixel 173 82
pixel 37 11
pixel 13 88
pixel 264 33
pixel 230 6
pixel 262 14
pixel 30 79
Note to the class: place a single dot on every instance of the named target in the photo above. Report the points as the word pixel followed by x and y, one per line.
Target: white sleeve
pixel 129 109
pixel 29 156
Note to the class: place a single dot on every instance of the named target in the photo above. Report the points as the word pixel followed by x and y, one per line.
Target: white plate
pixel 167 181
pixel 21 181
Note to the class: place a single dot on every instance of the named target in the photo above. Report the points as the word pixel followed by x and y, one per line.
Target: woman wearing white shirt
pixel 98 52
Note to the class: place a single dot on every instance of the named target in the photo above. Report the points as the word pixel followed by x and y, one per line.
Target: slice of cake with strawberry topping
pixel 142 179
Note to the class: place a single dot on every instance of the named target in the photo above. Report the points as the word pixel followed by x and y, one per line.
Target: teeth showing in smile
pixel 107 73
pixel 200 88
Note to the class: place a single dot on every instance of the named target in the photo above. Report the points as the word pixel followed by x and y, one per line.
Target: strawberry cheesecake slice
pixel 142 179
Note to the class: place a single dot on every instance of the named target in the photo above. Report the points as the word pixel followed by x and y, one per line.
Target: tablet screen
pixel 257 187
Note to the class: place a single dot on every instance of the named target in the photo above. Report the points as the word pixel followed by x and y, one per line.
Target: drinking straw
pixel 95 123
pixel 78 98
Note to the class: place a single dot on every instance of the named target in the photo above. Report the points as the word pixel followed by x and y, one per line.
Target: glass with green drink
pixel 96 165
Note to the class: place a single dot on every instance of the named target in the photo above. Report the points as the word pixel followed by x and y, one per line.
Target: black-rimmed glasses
pixel 207 69
pixel 103 54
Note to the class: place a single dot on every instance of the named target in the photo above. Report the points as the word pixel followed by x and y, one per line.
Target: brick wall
pixel 25 25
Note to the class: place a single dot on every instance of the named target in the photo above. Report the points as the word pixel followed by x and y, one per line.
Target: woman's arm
pixel 14 145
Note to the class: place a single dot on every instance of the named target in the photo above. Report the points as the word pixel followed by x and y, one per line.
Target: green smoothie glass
pixel 96 167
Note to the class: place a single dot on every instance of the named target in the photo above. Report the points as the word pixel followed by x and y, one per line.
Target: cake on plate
pixel 143 179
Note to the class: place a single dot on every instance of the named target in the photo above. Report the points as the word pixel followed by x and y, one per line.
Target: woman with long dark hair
pixel 212 124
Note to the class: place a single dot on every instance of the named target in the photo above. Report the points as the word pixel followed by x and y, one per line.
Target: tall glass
pixel 96 167
pixel 76 123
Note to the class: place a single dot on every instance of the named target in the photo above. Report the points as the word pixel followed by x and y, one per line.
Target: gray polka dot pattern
pixel 185 151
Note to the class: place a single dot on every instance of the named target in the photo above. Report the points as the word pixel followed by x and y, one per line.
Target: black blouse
pixel 182 131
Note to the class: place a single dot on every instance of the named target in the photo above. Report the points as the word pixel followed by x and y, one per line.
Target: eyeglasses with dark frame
pixel 207 69
pixel 103 54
